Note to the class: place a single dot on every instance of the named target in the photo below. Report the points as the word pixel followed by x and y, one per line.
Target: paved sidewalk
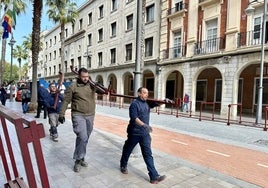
pixel 104 152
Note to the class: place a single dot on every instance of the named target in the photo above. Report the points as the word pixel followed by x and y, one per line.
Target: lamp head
pixel 249 10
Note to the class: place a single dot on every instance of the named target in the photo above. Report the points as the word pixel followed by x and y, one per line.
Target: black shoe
pixel 158 179
pixel 83 163
pixel 36 116
pixel 124 170
pixel 77 166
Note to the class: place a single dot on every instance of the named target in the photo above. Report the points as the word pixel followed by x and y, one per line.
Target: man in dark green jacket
pixel 82 98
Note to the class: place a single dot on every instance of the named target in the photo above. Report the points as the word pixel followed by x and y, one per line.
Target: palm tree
pixel 35 48
pixel 63 12
pixel 20 53
pixel 19 7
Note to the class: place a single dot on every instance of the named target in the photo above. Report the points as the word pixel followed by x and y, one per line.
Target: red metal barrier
pixel 201 109
pixel 27 132
pixel 229 112
pixel 265 123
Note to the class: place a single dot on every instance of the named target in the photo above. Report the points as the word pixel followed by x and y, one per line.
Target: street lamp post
pixel 11 43
pixel 248 11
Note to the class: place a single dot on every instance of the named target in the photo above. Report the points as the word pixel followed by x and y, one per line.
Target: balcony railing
pixel 249 38
pixel 209 46
pixel 178 7
pixel 175 52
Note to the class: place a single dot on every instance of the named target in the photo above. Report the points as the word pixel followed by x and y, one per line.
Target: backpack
pixel 26 94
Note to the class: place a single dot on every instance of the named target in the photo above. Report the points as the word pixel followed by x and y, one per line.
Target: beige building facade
pixel 209 49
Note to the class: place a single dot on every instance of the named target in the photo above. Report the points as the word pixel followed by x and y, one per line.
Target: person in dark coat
pixel 53 108
pixel 3 95
pixel 139 132
pixel 41 93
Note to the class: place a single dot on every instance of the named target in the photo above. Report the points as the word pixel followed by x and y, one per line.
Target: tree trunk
pixel 37 13
pixel 3 61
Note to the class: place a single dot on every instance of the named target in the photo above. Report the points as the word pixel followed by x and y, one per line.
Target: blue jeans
pixel 145 145
pixel 24 106
pixel 82 127
pixel 186 106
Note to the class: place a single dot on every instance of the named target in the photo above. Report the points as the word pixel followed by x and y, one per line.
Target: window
pixel 59 51
pixel 150 13
pixel 211 44
pixel 81 24
pixel 72 28
pixel 100 59
pixel 130 22
pixel 201 90
pixel 179 5
pixel 101 12
pixel 50 42
pixel 49 56
pixel 265 90
pixel 114 5
pixel 66 33
pixel 177 45
pixel 79 62
pixel 113 56
pixel 218 90
pixel 55 39
pixel 100 35
pixel 149 47
pixel 88 61
pixel 113 29
pixel 257 30
pixel 89 38
pixel 90 18
pixel 54 54
pixel 150 84
pixel 65 66
pixel 46 45
pixel 128 52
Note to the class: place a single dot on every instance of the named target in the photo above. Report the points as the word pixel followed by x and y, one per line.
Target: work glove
pixel 61 119
pixel 167 100
pixel 147 128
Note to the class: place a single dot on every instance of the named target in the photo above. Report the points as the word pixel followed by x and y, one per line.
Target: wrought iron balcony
pixel 250 38
pixel 178 7
pixel 175 52
pixel 209 46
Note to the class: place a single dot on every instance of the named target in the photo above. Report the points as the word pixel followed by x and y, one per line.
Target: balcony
pixel 209 46
pixel 250 38
pixel 175 52
pixel 179 9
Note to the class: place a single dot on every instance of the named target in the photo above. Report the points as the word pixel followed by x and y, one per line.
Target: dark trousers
pixel 145 145
pixel 39 109
pixel 3 100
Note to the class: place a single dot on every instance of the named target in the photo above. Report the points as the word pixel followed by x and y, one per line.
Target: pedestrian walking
pixel 82 98
pixel 185 104
pixel 139 132
pixel 53 111
pixel 3 94
pixel 25 98
pixel 41 92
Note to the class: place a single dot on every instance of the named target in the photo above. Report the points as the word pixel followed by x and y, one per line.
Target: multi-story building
pixel 209 49
pixel 103 40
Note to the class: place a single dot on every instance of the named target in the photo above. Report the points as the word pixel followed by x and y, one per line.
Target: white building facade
pixel 209 49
